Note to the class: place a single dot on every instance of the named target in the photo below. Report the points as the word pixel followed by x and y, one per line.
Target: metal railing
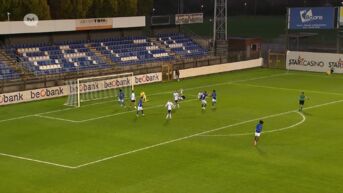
pixel 35 82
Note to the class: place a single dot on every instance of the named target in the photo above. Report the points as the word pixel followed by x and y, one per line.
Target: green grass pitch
pixel 103 148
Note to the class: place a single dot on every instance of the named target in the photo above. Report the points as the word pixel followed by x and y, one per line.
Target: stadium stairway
pixel 98 54
pixel 4 58
pixel 162 46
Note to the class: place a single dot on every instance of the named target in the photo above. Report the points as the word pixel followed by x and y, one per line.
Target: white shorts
pixel 204 102
pixel 121 100
pixel 257 134
pixel 214 100
pixel 140 108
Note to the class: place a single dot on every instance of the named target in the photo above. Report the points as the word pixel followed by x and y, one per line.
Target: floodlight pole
pixel 8 16
pixel 338 31
pixel 180 7
pixel 220 20
pixel 220 25
pixel 287 28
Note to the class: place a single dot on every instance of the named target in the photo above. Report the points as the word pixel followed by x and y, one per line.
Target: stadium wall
pixel 47 26
pixel 191 72
pixel 50 91
pixel 60 91
pixel 314 61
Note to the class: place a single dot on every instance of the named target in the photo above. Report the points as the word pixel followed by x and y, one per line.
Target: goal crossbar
pixel 98 87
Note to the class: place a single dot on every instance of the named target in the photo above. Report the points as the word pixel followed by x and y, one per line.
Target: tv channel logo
pixel 31 20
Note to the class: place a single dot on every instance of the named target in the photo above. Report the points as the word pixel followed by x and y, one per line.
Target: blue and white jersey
pixel 214 95
pixel 140 103
pixel 203 96
pixel 121 96
pixel 199 95
pixel 259 128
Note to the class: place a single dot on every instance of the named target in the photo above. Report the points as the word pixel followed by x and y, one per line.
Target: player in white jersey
pixel 199 95
pixel 176 98
pixel 133 99
pixel 182 96
pixel 170 107
pixel 203 100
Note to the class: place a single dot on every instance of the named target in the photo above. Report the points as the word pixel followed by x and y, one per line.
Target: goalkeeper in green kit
pixel 302 99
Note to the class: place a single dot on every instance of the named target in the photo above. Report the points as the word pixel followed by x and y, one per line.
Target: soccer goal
pixel 99 88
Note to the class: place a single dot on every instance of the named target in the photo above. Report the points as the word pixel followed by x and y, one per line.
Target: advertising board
pixel 311 18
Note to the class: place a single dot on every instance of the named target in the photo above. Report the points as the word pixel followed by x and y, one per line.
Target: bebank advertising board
pixel 311 18
pixel 60 91
pixel 314 62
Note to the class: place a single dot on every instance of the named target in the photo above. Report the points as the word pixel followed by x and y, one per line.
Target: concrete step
pixel 13 64
pixel 101 56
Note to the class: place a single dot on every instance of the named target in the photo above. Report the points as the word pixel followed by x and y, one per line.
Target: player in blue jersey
pixel 214 98
pixel 203 100
pixel 258 131
pixel 140 107
pixel 121 98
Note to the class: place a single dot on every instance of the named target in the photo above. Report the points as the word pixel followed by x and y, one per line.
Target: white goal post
pixel 99 88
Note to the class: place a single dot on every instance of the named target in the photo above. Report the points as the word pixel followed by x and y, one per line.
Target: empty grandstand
pixel 7 73
pixel 74 56
pixel 41 57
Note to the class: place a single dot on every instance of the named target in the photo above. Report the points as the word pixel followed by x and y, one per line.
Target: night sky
pixel 236 7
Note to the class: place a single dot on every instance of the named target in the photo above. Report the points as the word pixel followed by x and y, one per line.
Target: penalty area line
pixel 55 118
pixel 199 134
pixel 37 161
pixel 160 144
pixel 270 131
pixel 153 94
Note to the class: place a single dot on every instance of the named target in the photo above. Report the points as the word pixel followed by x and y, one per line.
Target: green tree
pixel 103 8
pixel 17 10
pixel 65 8
pixel 81 8
pixel 127 7
pixel 144 7
pixel 5 6
pixel 38 7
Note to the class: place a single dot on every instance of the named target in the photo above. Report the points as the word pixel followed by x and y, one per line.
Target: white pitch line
pixel 116 114
pixel 56 118
pixel 37 161
pixel 166 92
pixel 126 112
pixel 316 75
pixel 16 118
pixel 270 131
pixel 289 89
pixel 199 134
pixel 160 144
pixel 236 81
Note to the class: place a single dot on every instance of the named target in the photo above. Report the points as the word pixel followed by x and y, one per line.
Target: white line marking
pixel 236 81
pixel 270 131
pixel 199 134
pixel 56 118
pixel 161 93
pixel 289 89
pixel 160 144
pixel 318 74
pixel 121 113
pixel 126 112
pixel 15 118
pixel 38 161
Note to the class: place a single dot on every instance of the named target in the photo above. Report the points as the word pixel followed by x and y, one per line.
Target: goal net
pixel 99 88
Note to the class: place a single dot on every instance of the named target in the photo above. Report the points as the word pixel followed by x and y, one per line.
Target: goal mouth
pixel 89 89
